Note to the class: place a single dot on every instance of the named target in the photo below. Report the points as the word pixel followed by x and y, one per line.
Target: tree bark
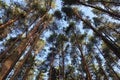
pixel 103 10
pixel 51 65
pixel 83 58
pixel 107 78
pixel 11 60
pixel 113 47
pixel 24 60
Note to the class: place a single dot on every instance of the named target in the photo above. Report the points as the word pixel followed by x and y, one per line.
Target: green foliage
pixel 70 28
pixel 97 12
pixel 97 20
pixel 61 38
pixel 57 14
pixel 68 11
pixel 39 45
pixel 52 37
pixel 92 39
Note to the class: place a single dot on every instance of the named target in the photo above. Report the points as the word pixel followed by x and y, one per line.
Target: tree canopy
pixel 59 40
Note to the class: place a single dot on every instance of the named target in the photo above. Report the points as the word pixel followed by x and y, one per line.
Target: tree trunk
pixel 24 60
pixel 103 10
pixel 12 60
pixel 83 58
pixel 63 64
pixel 107 2
pixel 8 23
pixel 51 65
pixel 13 20
pixel 10 47
pixel 107 78
pixel 25 77
pixel 113 47
pixel 116 75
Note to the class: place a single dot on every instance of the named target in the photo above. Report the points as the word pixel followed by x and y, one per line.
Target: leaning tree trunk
pixel 116 75
pixel 51 65
pixel 13 20
pixel 12 60
pixel 24 60
pixel 110 57
pixel 10 47
pixel 27 74
pixel 103 10
pixel 83 58
pixel 8 23
pixel 63 66
pixel 100 65
pixel 113 47
pixel 109 2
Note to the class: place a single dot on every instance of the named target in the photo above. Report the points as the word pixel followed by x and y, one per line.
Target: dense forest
pixel 59 40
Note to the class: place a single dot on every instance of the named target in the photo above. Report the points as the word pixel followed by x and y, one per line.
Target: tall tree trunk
pixel 59 68
pixel 2 55
pixel 109 57
pixel 113 47
pixel 8 23
pixel 13 20
pixel 25 76
pixel 24 60
pixel 83 58
pixel 51 65
pixel 63 64
pixel 107 2
pixel 12 60
pixel 100 65
pixel 116 75
pixel 103 10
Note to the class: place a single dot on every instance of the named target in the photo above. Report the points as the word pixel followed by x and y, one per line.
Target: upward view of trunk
pixel 24 60
pixel 12 60
pixel 51 65
pixel 27 74
pixel 83 58
pixel 115 74
pixel 108 2
pixel 100 65
pixel 63 65
pixel 113 47
pixel 10 47
pixel 8 23
pixel 13 20
pixel 109 57
pixel 103 10
pixel 114 30
pixel 59 39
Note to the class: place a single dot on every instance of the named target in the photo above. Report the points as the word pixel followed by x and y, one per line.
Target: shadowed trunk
pixel 113 47
pixel 11 60
pixel 83 58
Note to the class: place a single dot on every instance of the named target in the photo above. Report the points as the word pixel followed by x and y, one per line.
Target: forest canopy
pixel 59 40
